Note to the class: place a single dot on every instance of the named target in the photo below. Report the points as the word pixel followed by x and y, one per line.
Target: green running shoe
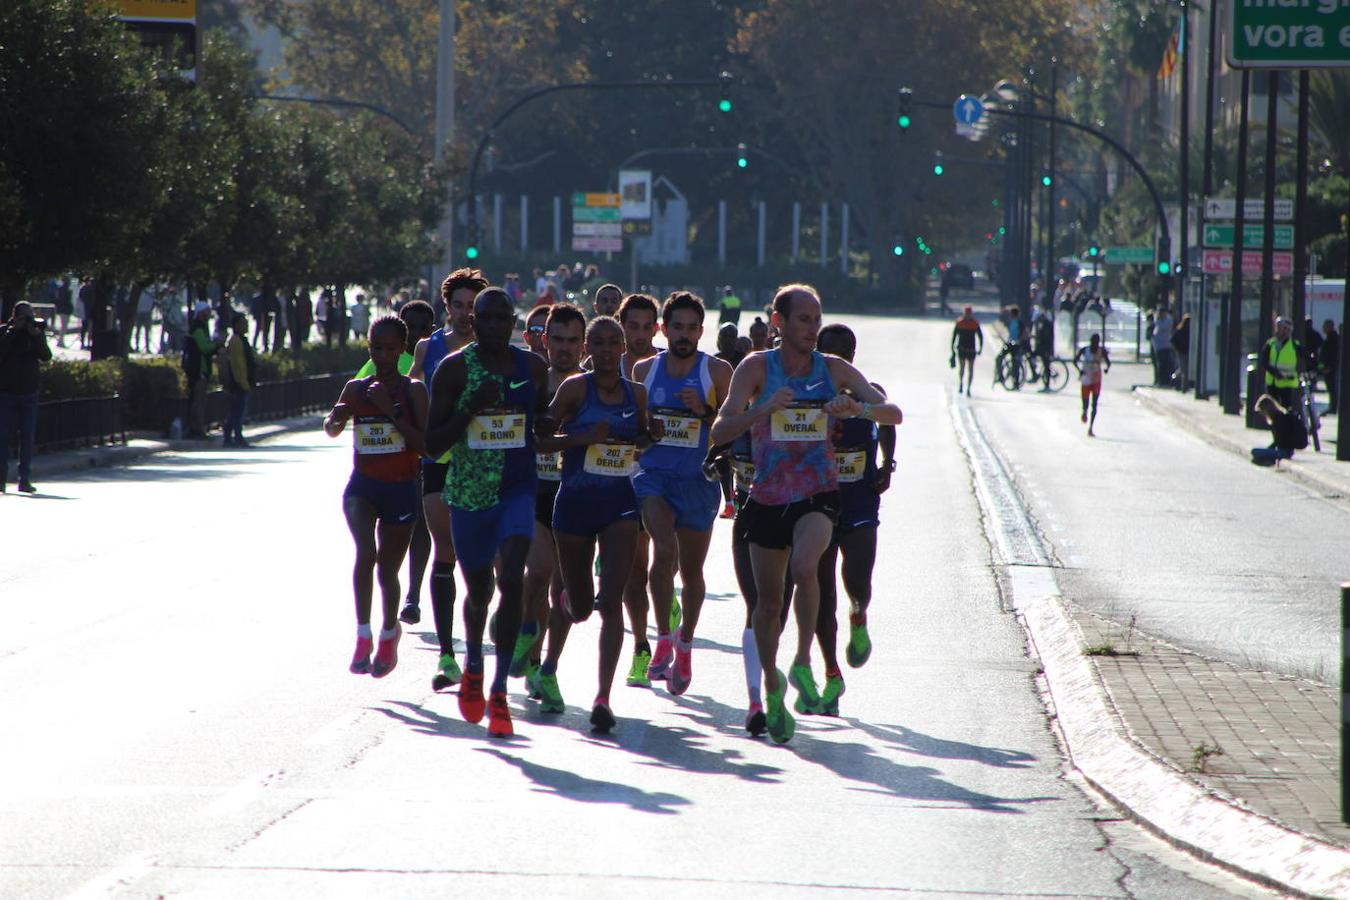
pixel 532 682
pixel 676 613
pixel 808 697
pixel 637 672
pixel 525 643
pixel 829 698
pixel 859 644
pixel 776 717
pixel 449 673
pixel 550 696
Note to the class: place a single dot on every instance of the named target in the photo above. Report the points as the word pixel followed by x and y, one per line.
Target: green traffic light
pixel 471 252
pixel 898 250
pixel 1047 180
pixel 1002 230
pixel 1164 268
pixel 995 201
pixel 904 121
pixel 724 105
pixel 742 162
pixel 1094 250
pixel 938 170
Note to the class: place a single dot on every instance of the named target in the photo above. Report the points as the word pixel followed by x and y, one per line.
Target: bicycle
pixel 1009 367
pixel 1013 368
pixel 1307 409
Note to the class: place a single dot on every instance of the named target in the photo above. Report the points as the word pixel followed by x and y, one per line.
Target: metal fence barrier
pixel 83 422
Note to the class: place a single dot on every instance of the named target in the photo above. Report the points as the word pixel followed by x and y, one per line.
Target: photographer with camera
pixel 23 347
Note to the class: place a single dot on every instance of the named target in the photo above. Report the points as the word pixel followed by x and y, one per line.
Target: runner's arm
pixel 875 405
pixel 445 424
pixel 337 417
pixel 419 355
pixel 412 422
pixel 565 404
pixel 648 432
pixel 734 418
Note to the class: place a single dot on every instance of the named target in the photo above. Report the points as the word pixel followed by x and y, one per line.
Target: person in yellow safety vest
pixel 731 307
pixel 1281 361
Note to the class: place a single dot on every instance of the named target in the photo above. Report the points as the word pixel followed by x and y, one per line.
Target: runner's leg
pixel 635 593
pixel 617 543
pixel 827 625
pixel 442 587
pixel 510 583
pixel 361 522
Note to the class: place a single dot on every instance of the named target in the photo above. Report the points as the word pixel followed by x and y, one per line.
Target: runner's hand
pixel 689 397
pixel 488 394
pixel 882 482
pixel 843 407
pixel 656 429
pixel 378 394
pixel 598 434
pixel 780 400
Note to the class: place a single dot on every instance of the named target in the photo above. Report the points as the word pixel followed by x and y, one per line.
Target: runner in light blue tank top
pixel 679 503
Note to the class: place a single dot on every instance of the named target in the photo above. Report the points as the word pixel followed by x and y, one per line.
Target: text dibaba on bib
pixel 378 436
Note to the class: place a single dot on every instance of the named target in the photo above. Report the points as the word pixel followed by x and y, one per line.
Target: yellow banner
pixel 157 9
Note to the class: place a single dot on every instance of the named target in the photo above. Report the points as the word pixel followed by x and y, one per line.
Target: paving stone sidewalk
pixel 1279 736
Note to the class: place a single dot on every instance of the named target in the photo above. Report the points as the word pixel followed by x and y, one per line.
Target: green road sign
pixel 1118 256
pixel 1253 236
pixel 1288 34
pixel 596 214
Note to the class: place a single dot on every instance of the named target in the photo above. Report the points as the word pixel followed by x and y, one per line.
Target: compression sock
pixel 443 604
pixel 750 657
pixel 474 658
pixel 363 631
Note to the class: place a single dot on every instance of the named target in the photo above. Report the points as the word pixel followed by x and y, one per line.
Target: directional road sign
pixel 1117 256
pixel 597 229
pixel 596 214
pixel 1220 262
pixel 1217 209
pixel 1252 236
pixel 597 244
pixel 1288 34
pixel 967 109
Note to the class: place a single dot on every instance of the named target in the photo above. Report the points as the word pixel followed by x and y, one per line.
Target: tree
pixel 78 112
pixel 838 109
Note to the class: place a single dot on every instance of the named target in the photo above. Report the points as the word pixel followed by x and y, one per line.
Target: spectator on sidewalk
pixel 261 310
pixel 1181 346
pixel 65 307
pixel 145 318
pixel 198 351
pixel 240 379
pixel 731 307
pixel 23 348
pixel 1164 357
pixel 1312 350
pixel 1329 364
pixel 321 313
pixel 1286 426
pixel 360 317
pixel 86 297
pixel 1281 360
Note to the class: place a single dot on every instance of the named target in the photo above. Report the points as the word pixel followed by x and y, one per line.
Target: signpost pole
pixel 1268 215
pixel 1232 358
pixel 1301 206
pixel 1184 269
pixel 1211 66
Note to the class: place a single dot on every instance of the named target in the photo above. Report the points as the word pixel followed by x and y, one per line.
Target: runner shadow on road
pixel 684 749
pixel 424 721
pixel 911 741
pixel 571 786
pixel 862 763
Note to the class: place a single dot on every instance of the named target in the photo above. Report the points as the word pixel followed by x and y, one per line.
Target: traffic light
pixel 898 249
pixel 742 156
pixel 1047 180
pixel 938 168
pixel 904 107
pixel 724 98
pixel 471 242
pixel 1094 251
pixel 1164 256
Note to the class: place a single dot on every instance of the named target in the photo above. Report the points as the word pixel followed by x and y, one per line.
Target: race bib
pixel 610 460
pixel 546 464
pixel 799 423
pixel 852 465
pixel 375 437
pixel 496 429
pixel 744 470
pixel 681 429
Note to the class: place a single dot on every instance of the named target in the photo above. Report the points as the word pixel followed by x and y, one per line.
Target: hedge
pixel 148 384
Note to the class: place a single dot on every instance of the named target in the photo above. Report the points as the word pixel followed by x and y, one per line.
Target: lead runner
pixel 785 397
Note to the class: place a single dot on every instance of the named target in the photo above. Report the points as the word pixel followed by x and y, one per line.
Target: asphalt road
pixel 181 722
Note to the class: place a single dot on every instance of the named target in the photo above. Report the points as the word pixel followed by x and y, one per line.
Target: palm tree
pixel 1328 101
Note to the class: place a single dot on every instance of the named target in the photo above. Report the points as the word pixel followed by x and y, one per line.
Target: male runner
pixel 458 292
pixel 534 328
pixel 638 315
pixel 967 343
pixel 1092 358
pixel 607 299
pixel 784 398
pixel 862 481
pixel 484 401
pixel 565 332
pixel 598 420
pixel 684 387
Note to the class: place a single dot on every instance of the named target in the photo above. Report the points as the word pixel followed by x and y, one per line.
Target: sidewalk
pixel 1206 420
pixel 1256 742
pixel 50 465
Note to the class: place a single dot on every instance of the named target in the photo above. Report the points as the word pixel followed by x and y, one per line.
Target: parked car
pixel 959 275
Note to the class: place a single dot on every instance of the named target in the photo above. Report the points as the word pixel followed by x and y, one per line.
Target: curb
pixel 65 461
pixel 1153 793
pixel 1299 473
